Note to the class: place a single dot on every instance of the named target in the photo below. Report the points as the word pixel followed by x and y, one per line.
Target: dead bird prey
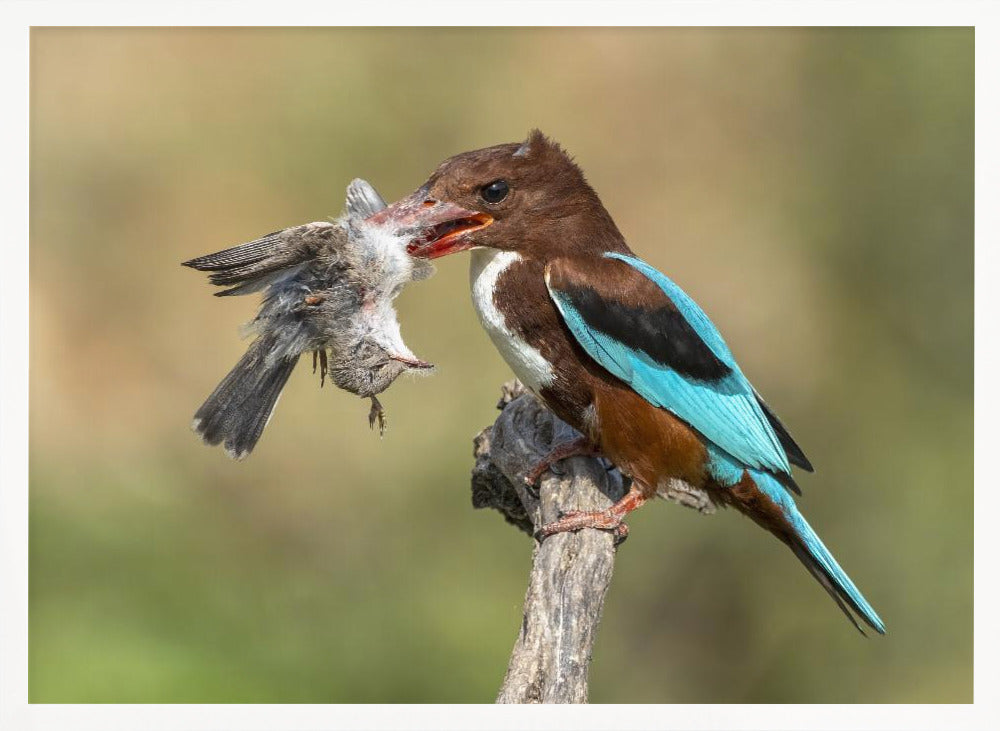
pixel 329 289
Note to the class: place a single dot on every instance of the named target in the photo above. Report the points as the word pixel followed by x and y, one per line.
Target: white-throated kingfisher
pixel 612 346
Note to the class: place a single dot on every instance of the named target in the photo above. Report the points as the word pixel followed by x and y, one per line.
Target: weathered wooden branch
pixel 570 572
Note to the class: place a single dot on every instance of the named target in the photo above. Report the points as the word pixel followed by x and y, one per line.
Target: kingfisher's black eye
pixel 495 192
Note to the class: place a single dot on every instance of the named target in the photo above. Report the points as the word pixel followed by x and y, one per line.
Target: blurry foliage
pixel 813 189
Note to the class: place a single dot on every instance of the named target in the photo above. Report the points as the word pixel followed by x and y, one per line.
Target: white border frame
pixel 15 20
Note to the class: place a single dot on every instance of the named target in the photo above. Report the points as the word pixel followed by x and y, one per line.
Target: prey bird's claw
pixel 323 366
pixel 377 413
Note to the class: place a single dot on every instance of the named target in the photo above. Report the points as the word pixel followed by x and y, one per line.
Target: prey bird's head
pixel 526 197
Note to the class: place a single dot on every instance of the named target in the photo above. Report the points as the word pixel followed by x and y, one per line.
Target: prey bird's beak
pixel 439 227
pixel 412 362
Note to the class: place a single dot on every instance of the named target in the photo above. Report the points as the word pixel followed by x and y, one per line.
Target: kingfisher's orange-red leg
pixel 578 447
pixel 609 519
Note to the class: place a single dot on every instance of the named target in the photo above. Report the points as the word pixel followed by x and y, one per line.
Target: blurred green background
pixel 812 189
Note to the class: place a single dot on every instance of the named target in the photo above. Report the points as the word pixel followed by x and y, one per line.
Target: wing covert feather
pixel 688 370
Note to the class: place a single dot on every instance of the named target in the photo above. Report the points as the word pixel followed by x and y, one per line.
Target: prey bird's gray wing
pixel 257 264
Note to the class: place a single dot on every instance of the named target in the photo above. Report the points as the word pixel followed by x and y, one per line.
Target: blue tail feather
pixel 816 555
pixel 797 533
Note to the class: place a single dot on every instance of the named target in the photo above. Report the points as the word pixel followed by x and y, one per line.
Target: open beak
pixel 439 227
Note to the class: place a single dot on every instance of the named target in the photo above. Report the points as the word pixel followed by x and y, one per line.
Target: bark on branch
pixel 570 572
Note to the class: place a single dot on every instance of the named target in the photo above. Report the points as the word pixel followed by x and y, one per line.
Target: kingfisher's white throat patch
pixel 526 362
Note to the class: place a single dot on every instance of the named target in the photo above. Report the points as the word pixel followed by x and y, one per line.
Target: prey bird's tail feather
pixel 241 406
pixel 769 504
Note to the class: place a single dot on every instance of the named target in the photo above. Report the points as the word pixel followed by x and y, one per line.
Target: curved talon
pixel 621 534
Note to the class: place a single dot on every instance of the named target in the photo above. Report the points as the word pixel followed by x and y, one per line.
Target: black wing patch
pixel 792 450
pixel 661 333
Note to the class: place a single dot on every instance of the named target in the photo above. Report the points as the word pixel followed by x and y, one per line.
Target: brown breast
pixel 646 442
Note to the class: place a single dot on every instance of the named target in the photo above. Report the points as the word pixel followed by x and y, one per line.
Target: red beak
pixel 440 226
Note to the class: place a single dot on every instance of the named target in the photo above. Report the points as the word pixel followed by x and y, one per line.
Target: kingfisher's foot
pixel 609 519
pixel 575 520
pixel 580 446
pixel 377 413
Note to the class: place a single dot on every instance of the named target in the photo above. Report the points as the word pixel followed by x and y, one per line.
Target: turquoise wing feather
pixel 668 351
pixel 724 410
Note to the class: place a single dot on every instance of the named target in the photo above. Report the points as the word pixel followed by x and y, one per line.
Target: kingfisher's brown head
pixel 527 197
